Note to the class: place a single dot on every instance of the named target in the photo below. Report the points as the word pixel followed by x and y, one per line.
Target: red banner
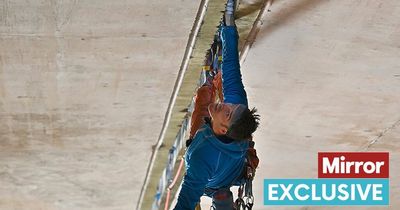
pixel 353 165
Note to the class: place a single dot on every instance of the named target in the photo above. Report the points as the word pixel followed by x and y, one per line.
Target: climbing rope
pixel 171 186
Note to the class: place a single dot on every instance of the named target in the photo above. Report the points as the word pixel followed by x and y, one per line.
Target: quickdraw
pixel 245 200
pixel 213 59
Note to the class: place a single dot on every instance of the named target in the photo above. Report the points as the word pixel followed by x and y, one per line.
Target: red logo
pixel 353 165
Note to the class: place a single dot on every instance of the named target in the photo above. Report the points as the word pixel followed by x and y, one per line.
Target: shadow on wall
pixel 247 8
pixel 284 15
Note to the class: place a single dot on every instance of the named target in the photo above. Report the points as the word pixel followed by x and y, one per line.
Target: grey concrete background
pixel 84 86
pixel 325 76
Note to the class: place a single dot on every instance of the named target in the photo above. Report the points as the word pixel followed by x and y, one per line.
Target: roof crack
pixel 382 134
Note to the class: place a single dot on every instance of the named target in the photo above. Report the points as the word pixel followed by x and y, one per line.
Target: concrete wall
pixel 325 76
pixel 84 86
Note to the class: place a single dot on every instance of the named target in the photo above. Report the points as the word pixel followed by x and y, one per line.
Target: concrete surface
pixel 325 76
pixel 84 86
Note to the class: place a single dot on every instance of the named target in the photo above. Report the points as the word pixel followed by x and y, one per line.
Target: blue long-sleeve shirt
pixel 210 163
pixel 232 85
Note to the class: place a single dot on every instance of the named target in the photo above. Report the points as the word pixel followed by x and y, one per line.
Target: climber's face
pixel 221 116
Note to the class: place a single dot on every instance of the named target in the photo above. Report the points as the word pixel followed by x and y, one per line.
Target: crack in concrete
pixel 4 16
pixel 59 20
pixel 382 134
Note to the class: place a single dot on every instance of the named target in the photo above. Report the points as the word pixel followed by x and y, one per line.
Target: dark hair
pixel 245 125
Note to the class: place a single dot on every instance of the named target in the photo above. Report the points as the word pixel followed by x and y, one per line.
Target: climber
pixel 220 132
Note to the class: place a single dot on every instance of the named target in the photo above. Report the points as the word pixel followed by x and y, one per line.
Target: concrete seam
pixel 254 30
pixel 189 49
pixel 382 134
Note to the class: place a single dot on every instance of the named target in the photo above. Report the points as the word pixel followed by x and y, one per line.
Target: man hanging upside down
pixel 220 132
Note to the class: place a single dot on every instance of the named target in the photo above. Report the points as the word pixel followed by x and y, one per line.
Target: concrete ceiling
pixel 325 76
pixel 84 86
